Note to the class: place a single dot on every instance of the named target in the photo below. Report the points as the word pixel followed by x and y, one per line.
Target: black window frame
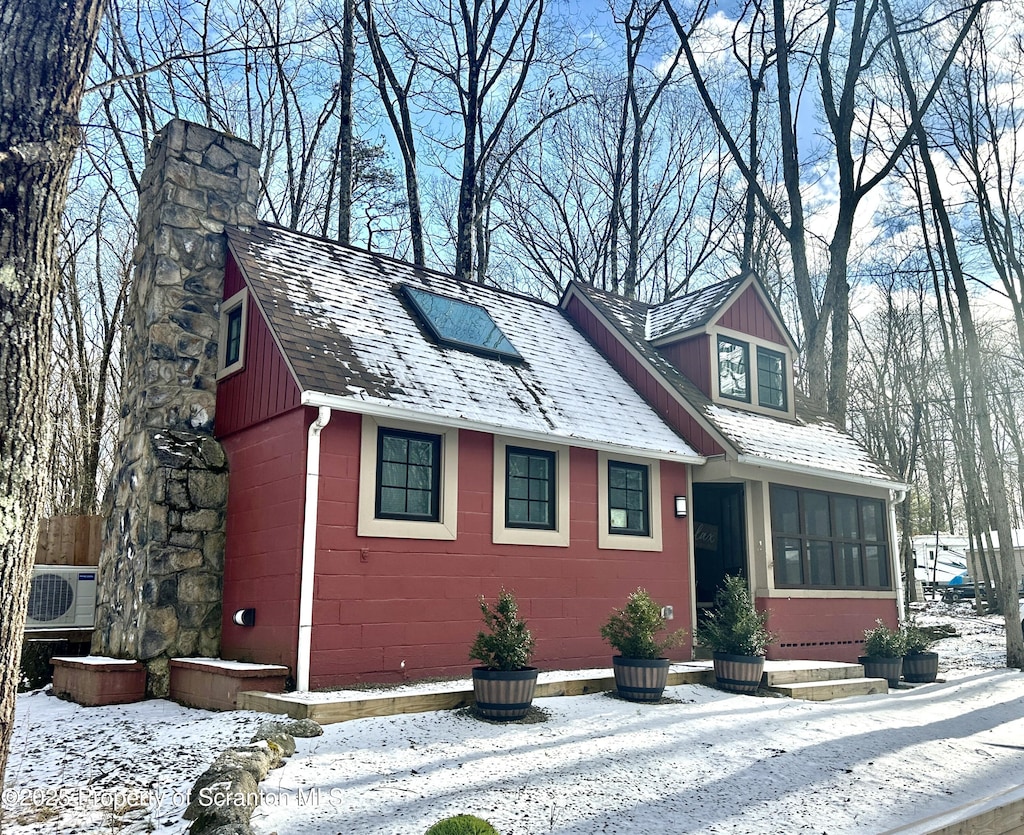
pixel 745 346
pixel 645 492
pixel 834 539
pixel 550 492
pixel 434 514
pixel 784 388
pixel 233 335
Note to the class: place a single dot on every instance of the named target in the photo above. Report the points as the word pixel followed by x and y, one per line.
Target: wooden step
pixel 791 672
pixel 823 691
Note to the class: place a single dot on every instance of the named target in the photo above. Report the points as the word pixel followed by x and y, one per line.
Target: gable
pixel 748 314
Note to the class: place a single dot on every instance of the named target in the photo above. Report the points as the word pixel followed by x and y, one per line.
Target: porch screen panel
pixel 828 540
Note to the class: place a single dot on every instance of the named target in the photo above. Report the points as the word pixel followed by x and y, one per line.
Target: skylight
pixel 460 324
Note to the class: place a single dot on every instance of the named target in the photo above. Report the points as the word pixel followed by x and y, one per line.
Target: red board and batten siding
pixel 390 609
pixel 824 629
pixel 692 357
pixel 749 315
pixel 653 391
pixel 264 387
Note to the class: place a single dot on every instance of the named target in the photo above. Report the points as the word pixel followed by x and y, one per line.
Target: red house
pixel 400 443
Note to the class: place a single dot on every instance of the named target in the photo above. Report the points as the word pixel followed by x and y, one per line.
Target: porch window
pixel 408 475
pixel 828 540
pixel 771 379
pixel 628 499
pixel 529 488
pixel 733 378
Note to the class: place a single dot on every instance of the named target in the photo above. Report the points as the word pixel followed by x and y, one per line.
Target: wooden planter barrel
pixel 504 695
pixel 921 667
pixel 877 666
pixel 640 679
pixel 738 673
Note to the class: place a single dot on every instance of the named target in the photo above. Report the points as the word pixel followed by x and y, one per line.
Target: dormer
pixel 730 340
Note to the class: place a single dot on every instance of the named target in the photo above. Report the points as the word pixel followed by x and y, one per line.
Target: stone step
pixel 824 691
pixel 791 672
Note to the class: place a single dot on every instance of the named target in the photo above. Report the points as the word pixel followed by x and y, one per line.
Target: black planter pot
pixel 640 679
pixel 738 673
pixel 504 695
pixel 877 666
pixel 921 667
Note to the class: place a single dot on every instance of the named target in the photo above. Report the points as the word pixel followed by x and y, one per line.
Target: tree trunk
pixel 348 64
pixel 44 51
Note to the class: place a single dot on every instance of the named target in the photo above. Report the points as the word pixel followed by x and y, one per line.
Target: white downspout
pixel 309 525
pixel 898 497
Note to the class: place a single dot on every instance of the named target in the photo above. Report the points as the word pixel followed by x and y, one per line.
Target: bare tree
pixel 44 49
pixel 979 413
pixel 842 43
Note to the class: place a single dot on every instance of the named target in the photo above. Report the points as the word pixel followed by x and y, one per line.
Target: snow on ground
pixel 705 762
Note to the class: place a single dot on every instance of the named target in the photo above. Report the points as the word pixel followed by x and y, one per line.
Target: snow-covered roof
pixel 690 311
pixel 809 444
pixel 339 318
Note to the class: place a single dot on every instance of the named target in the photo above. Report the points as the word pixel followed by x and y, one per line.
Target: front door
pixel 719 539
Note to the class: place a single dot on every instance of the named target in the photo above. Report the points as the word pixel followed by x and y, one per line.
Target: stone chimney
pixel 161 566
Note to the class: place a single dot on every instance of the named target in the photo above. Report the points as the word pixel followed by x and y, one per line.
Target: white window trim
pixel 625 542
pixel 240 299
pixel 753 343
pixel 502 535
pixel 368 523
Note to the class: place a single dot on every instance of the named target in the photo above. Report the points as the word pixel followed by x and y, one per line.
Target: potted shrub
pixel 504 683
pixel 640 670
pixel 919 665
pixel 883 653
pixel 736 634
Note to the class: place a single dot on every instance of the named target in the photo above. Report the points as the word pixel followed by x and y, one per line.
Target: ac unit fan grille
pixel 50 597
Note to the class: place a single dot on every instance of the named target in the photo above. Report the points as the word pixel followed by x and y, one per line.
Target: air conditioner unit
pixel 62 597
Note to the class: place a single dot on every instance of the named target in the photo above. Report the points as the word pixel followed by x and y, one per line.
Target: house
pixel 468 438
pixel 326 456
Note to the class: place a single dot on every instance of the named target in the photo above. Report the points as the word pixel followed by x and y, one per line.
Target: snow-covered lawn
pixel 706 762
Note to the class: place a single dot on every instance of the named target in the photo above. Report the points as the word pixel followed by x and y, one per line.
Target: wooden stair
pixel 820 681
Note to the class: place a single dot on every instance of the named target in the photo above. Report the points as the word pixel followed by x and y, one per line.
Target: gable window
pixel 409 475
pixel 828 540
pixel 459 324
pixel 529 488
pixel 231 340
pixel 771 379
pixel 408 481
pixel 733 379
pixel 628 499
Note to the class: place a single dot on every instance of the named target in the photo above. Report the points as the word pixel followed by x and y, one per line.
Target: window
pixel 732 369
pixel 771 379
pixel 408 481
pixel 459 324
pixel 828 540
pixel 529 488
pixel 408 475
pixel 628 499
pixel 531 493
pixel 629 503
pixel 231 341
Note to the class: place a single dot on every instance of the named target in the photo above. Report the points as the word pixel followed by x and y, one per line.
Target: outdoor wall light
pixel 245 617
pixel 680 506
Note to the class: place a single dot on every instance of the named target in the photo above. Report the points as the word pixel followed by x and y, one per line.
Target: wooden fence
pixel 69 540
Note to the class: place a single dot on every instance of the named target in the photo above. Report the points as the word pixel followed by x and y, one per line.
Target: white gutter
pixel 803 469
pixel 387 410
pixel 309 525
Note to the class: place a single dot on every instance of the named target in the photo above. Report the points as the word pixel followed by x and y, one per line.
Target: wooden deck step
pixel 777 673
pixel 823 691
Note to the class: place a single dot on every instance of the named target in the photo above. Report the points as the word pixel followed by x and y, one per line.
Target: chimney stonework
pixel 161 567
